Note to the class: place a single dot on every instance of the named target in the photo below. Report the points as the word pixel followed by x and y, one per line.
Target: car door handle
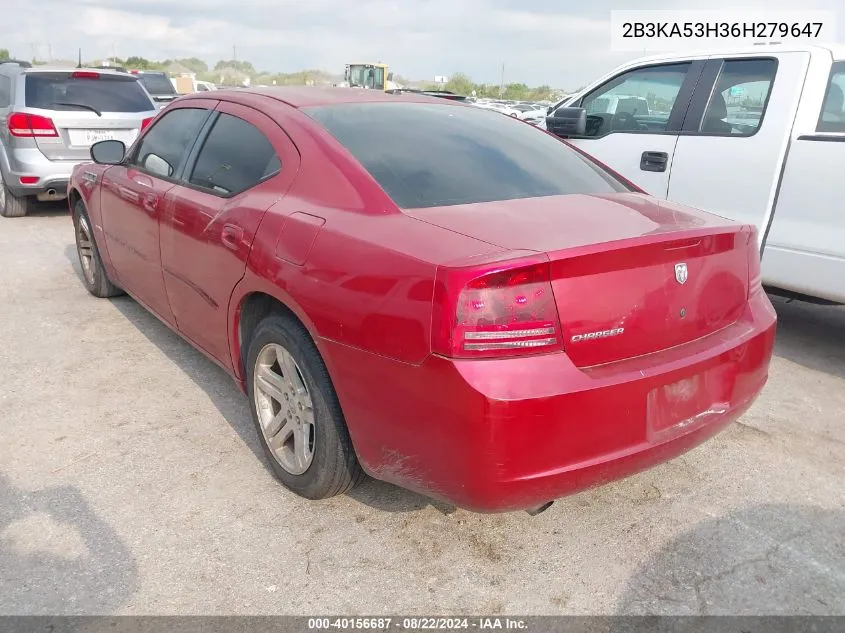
pixel 232 236
pixel 654 161
pixel 150 203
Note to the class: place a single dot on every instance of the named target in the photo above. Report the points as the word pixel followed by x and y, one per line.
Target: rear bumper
pixel 511 434
pixel 51 174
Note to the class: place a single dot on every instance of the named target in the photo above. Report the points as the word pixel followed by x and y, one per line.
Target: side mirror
pixel 390 76
pixel 109 152
pixel 157 165
pixel 567 122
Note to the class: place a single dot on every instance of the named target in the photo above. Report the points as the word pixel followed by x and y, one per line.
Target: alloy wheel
pixel 85 248
pixel 284 408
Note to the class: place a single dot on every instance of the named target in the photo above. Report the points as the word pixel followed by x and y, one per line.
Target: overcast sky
pixel 562 43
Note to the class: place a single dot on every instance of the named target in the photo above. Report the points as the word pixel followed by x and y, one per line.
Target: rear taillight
pixel 145 123
pixel 495 312
pixel 29 125
pixel 85 74
pixel 755 273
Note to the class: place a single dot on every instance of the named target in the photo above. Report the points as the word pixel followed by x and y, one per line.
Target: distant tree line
pixel 460 83
pixel 233 72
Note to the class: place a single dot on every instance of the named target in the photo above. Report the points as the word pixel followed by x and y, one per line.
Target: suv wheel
pixel 10 205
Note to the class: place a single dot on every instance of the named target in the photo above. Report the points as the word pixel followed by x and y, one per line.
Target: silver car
pixel 50 117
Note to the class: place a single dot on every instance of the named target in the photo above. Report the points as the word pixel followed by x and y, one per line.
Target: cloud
pixel 563 44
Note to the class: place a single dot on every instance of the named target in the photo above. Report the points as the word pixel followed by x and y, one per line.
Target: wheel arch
pixel 247 309
pixel 73 196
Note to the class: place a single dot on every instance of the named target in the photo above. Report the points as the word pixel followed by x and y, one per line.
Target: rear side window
pixel 5 91
pixel 832 117
pixel 739 98
pixel 429 155
pixel 234 157
pixel 164 148
pixel 106 93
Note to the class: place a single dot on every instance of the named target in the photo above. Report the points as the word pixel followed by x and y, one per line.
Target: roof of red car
pixel 300 97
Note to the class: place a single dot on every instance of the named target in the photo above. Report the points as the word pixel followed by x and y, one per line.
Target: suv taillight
pixel 146 122
pixel 499 312
pixel 30 125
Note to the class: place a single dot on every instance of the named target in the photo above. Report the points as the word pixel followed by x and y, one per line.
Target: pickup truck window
pixel 832 117
pixel 639 100
pixel 738 102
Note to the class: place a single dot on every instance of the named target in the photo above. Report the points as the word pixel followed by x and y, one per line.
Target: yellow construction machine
pixel 372 76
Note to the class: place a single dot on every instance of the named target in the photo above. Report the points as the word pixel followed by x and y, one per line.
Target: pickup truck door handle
pixel 654 161
pixel 232 236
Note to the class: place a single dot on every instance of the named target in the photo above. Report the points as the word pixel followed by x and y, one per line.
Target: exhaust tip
pixel 51 192
pixel 539 509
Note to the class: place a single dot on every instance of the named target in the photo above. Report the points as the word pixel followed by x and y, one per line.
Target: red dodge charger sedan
pixel 445 298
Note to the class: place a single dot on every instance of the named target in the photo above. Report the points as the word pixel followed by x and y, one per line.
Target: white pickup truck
pixel 756 135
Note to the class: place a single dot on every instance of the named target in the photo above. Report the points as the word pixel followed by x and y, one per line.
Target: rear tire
pixel 93 273
pixel 296 412
pixel 12 206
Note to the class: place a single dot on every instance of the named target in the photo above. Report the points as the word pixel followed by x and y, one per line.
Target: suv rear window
pixel 429 155
pixel 109 93
pixel 157 84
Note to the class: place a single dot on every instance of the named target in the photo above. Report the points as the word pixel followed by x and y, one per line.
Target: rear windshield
pixel 157 84
pixel 430 155
pixel 60 91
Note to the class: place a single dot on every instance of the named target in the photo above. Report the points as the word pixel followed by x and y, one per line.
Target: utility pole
pixel 49 52
pixel 234 52
pixel 502 85
pixel 34 56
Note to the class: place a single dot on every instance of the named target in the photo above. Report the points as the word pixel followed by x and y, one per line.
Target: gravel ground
pixel 131 483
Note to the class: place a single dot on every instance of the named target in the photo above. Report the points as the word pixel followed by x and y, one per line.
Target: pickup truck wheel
pixel 93 273
pixel 297 413
pixel 10 205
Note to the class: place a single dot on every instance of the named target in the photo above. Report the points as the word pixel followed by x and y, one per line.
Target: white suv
pixel 50 117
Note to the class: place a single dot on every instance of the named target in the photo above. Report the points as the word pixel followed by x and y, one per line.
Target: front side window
pixel 429 155
pixel 639 100
pixel 234 157
pixel 163 150
pixel 832 117
pixel 739 98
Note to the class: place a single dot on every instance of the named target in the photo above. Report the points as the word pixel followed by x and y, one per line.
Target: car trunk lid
pixel 630 275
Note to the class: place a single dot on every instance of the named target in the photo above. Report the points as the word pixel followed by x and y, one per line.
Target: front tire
pixel 93 273
pixel 296 412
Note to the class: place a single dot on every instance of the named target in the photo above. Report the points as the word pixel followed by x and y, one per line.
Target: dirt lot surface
pixel 131 483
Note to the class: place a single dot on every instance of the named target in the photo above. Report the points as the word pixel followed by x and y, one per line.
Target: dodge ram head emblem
pixel 681 273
